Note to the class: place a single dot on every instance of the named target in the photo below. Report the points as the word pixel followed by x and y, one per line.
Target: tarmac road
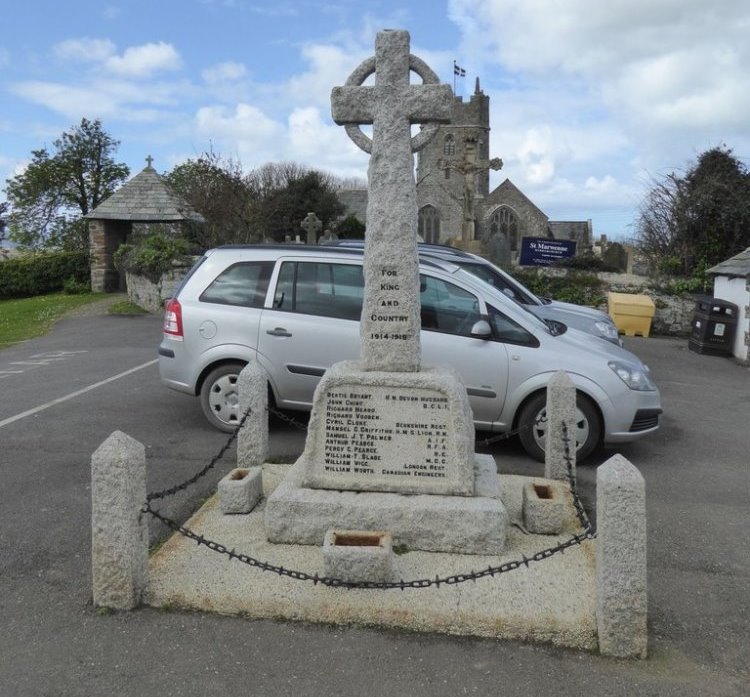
pixel 61 395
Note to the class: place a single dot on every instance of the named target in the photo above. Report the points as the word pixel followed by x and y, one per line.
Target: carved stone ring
pixel 367 68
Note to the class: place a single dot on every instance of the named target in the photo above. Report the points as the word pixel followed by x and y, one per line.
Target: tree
pixel 287 192
pixel 218 190
pixel 691 222
pixel 350 228
pixel 3 222
pixel 49 199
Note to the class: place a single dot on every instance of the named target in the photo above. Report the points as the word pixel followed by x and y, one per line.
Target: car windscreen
pixel 502 299
pixel 504 284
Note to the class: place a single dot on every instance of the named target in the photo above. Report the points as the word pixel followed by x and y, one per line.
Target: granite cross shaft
pixel 391 323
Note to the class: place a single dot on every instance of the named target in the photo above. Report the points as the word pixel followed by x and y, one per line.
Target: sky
pixel 590 100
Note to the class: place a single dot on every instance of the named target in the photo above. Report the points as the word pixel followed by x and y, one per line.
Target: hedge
pixel 37 273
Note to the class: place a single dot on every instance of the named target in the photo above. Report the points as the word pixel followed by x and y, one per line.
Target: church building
pixel 453 196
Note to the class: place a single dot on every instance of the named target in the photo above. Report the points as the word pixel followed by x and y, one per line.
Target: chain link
pixel 587 533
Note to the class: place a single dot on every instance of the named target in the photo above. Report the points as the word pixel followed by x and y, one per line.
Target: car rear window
pixel 243 284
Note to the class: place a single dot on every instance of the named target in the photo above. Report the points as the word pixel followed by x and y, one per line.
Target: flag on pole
pixel 458 71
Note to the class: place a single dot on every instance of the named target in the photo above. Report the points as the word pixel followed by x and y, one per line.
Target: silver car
pixel 587 319
pixel 297 308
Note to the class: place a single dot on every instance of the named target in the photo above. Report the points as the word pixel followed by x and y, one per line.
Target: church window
pixel 428 224
pixel 449 146
pixel 505 222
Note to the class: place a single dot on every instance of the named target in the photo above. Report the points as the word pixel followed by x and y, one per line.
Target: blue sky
pixel 589 100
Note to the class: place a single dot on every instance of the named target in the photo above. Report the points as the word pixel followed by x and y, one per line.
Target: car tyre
pixel 532 424
pixel 219 397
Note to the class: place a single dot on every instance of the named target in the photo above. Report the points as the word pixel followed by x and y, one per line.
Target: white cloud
pixel 243 131
pixel 89 50
pixel 224 72
pixel 144 60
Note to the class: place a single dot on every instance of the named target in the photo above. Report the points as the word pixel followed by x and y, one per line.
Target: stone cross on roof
pixel 391 310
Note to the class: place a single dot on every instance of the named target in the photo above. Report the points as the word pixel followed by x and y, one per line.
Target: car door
pixel 313 323
pixel 448 314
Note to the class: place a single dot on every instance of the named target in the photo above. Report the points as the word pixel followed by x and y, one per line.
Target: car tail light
pixel 173 318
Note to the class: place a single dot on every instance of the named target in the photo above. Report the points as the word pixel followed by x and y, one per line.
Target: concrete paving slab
pixel 551 601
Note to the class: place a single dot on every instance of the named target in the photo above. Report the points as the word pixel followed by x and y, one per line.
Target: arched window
pixel 505 222
pixel 449 146
pixel 428 224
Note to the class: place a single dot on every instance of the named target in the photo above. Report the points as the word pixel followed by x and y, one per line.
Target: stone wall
pixel 152 296
pixel 674 313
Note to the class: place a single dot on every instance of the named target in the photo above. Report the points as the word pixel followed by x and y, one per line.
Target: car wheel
pixel 532 423
pixel 220 399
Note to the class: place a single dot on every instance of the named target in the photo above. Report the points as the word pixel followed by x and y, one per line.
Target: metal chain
pixel 373 585
pixel 587 534
pixel 216 458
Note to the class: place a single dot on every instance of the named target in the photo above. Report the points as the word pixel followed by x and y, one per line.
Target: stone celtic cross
pixel 311 225
pixel 391 310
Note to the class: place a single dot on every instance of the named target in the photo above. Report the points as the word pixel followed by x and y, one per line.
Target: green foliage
pixel 218 190
pixel 3 221
pixel 152 257
pixel 586 262
pixel 350 228
pixel 287 193
pixel 49 198
pixel 697 219
pixel 574 287
pixel 699 282
pixel 42 272
pixel 74 286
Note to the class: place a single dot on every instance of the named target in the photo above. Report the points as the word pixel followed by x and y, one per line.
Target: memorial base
pixel 477 524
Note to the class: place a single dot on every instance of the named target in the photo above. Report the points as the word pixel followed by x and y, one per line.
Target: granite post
pixel 561 409
pixel 252 440
pixel 119 533
pixel 622 600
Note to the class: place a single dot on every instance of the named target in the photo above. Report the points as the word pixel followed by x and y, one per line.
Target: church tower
pixel 440 188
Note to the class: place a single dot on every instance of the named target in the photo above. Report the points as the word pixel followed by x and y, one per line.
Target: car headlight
pixel 635 377
pixel 606 329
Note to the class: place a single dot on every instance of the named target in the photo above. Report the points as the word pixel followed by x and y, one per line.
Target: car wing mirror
pixel 481 329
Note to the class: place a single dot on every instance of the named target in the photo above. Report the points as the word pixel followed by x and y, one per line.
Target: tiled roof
pixel 738 266
pixel 146 198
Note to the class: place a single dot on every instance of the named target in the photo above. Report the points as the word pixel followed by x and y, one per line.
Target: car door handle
pixel 279 331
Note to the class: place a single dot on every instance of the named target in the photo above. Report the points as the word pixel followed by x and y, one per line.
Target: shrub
pixel 37 273
pixel 152 257
pixel 574 287
pixel 72 286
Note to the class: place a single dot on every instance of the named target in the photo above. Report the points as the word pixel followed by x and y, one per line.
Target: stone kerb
pixel 390 432
pixel 622 600
pixel 119 533
pixel 561 409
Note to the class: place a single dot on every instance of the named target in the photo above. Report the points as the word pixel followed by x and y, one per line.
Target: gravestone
pixel 386 427
pixel 311 225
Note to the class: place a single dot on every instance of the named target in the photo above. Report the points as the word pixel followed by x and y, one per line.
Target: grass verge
pixel 27 318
